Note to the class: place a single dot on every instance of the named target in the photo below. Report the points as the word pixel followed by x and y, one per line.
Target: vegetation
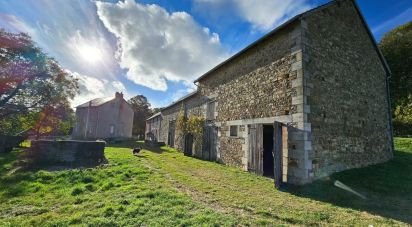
pixel 142 111
pixel 397 49
pixel 162 187
pixel 34 89
pixel 181 121
pixel 193 125
pixel 141 108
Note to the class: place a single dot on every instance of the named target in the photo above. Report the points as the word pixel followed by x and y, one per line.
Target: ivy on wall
pixel 195 127
pixel 193 124
pixel 181 121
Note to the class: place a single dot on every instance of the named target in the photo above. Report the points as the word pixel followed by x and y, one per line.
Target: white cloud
pixel 262 14
pixel 91 88
pixel 267 14
pixel 156 46
pixel 68 37
pixel 179 94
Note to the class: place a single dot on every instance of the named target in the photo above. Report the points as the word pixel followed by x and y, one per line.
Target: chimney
pixel 119 95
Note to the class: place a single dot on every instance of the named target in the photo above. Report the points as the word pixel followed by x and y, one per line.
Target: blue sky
pixel 157 48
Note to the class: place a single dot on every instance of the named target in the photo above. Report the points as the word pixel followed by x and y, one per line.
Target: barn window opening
pixel 211 109
pixel 268 164
pixel 111 129
pixel 234 130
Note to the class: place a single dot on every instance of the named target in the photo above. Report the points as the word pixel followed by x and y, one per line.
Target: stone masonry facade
pixel 347 92
pixel 321 75
pixel 258 87
pixel 192 105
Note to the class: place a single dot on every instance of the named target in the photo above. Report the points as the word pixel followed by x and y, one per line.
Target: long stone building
pixel 321 78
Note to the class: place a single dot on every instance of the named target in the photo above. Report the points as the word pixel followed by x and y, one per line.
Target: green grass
pixel 161 187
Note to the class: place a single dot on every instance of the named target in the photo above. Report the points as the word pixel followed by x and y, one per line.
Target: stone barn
pixel 104 118
pixel 306 100
pixel 152 129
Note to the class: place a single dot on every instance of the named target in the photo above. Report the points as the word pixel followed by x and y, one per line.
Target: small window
pixel 211 108
pixel 233 130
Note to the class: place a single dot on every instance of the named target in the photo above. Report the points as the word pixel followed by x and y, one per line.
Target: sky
pixel 158 48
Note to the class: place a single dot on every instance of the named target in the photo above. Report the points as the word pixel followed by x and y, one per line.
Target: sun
pixel 90 53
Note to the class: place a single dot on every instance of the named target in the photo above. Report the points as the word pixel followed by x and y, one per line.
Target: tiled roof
pixel 96 102
pixel 181 99
pixel 154 115
pixel 287 23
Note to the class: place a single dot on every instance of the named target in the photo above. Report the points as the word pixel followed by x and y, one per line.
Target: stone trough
pixel 67 152
pixel 8 142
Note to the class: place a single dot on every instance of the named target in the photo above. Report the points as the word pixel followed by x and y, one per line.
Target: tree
pixel 31 84
pixel 54 120
pixel 29 79
pixel 396 46
pixel 141 108
pixel 155 110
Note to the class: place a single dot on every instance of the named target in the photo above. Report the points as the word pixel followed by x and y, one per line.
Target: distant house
pixel 102 118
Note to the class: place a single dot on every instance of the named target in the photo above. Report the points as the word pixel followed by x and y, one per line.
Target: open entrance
pixel 188 149
pixel 268 166
pixel 171 134
pixel 267 144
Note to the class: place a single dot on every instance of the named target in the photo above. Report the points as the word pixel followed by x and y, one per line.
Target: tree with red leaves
pixel 30 80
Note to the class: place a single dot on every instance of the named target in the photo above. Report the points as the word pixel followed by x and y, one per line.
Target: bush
pixel 76 191
pixel 90 188
pixel 402 129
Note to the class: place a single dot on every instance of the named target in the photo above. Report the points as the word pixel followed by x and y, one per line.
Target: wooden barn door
pixel 277 152
pixel 255 154
pixel 172 129
pixel 188 149
pixel 209 148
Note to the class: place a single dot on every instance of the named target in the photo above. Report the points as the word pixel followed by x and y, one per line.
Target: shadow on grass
pixel 141 144
pixel 387 188
pixel 17 173
pixel 12 184
pixel 7 160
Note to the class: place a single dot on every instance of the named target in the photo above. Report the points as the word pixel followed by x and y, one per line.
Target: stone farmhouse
pixel 104 118
pixel 306 100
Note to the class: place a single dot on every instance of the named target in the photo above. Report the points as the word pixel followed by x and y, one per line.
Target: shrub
pixel 77 191
pixel 90 187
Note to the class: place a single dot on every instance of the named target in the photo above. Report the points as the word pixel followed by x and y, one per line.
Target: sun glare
pixel 90 53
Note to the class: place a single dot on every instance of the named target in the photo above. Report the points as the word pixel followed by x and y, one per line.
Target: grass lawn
pixel 164 188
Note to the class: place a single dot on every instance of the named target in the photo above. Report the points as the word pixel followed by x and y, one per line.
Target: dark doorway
pixel 171 133
pixel 209 149
pixel 188 149
pixel 267 151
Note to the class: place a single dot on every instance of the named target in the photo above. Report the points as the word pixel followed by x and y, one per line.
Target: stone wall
pixel 346 92
pixel 254 87
pixel 8 142
pixel 193 105
pixel 154 126
pixel 69 152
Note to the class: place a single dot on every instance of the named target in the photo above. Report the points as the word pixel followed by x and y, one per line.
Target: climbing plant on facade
pixel 189 125
pixel 195 126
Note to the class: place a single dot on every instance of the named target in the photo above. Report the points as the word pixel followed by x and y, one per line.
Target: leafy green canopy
pixel 31 85
pixel 141 108
pixel 396 46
